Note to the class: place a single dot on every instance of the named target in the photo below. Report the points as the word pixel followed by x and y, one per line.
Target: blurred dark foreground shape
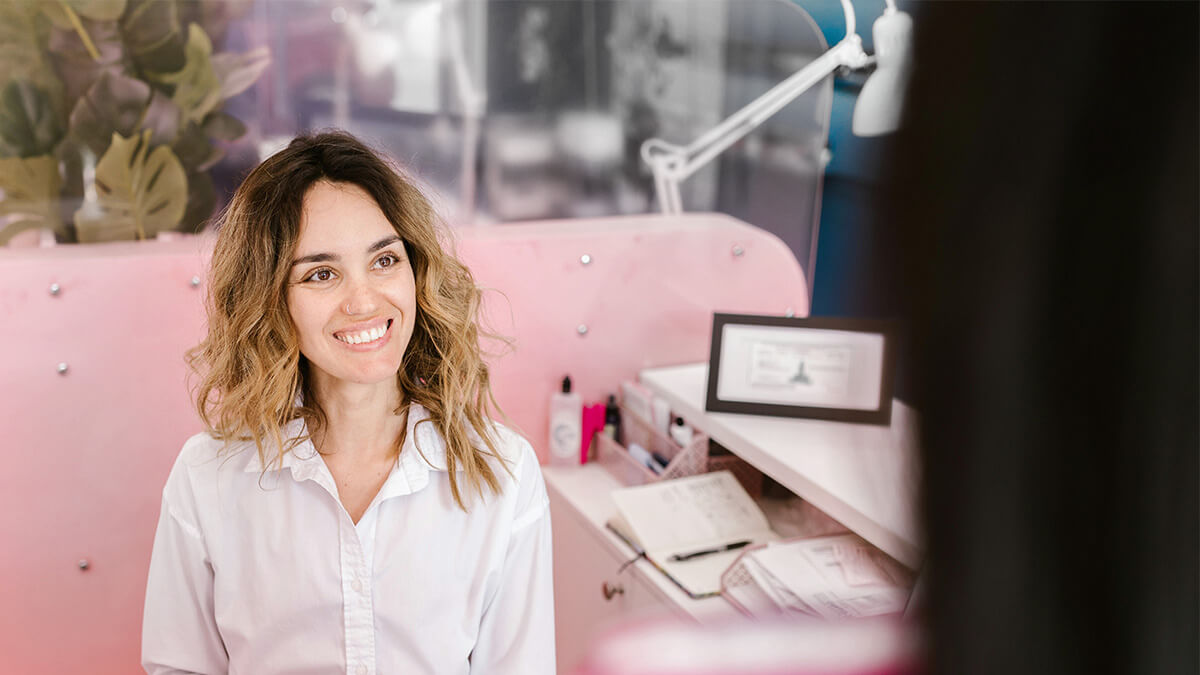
pixel 1040 217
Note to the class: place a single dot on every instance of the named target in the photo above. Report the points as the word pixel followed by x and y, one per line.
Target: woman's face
pixel 351 292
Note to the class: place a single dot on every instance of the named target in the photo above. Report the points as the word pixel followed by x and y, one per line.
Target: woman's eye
pixel 386 260
pixel 320 275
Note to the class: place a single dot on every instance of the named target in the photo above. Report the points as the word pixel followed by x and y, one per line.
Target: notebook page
pixel 698 576
pixel 693 513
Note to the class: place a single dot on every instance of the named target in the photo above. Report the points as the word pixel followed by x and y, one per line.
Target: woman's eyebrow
pixel 315 257
pixel 383 243
pixel 327 257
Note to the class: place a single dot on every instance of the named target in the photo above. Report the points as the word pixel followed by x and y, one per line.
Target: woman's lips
pixel 366 338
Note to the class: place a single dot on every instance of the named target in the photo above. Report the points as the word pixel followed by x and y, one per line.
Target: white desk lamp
pixel 877 110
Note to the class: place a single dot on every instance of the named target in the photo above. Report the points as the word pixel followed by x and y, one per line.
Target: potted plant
pixel 111 114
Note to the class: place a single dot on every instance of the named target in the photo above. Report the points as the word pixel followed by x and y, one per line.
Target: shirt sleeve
pixel 179 629
pixel 516 633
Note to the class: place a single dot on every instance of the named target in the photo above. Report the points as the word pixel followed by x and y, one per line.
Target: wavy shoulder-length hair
pixel 253 378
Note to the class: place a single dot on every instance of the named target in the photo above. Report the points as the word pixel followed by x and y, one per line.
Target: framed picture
pixel 821 368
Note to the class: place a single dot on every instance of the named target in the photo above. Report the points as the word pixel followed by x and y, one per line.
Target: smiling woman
pixel 350 282
pixel 352 507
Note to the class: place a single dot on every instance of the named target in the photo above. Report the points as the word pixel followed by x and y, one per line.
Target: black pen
pixel 679 557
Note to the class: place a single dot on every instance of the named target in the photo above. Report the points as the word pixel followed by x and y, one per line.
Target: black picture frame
pixel 808 329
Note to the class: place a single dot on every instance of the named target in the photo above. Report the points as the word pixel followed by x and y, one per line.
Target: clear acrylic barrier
pixel 520 110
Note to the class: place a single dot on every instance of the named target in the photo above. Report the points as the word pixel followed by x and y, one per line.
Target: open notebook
pixel 691 528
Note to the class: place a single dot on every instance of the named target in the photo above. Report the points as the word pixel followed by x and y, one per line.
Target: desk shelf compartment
pixel 687 460
pixel 750 477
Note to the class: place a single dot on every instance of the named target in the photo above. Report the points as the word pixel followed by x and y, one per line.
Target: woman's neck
pixel 361 424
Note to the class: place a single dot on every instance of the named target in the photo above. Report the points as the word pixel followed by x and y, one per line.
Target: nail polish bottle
pixel 612 419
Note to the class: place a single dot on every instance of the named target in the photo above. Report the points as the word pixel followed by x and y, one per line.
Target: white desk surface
pixel 588 489
pixel 864 476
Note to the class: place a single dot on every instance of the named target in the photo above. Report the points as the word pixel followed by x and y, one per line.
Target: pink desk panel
pixel 86 451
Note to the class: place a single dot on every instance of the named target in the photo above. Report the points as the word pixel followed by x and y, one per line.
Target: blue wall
pixel 842 278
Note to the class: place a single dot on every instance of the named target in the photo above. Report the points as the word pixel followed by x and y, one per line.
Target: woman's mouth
pixel 366 336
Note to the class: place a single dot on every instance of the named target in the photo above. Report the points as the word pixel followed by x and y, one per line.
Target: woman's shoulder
pixel 521 475
pixel 508 441
pixel 511 446
pixel 206 452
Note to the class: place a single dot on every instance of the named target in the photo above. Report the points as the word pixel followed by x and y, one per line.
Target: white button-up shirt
pixel 265 573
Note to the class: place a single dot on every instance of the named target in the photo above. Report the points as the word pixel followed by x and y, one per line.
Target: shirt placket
pixel 357 607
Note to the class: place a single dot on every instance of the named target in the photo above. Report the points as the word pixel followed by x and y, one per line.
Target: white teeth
pixel 363 336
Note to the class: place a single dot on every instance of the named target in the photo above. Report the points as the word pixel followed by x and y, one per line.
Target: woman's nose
pixel 361 298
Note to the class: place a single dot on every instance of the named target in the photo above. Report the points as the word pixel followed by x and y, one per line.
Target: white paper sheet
pixel 833 577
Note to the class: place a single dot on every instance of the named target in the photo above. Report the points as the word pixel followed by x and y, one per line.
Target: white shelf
pixel 865 476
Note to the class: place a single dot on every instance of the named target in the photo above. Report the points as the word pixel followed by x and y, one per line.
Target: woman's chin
pixel 374 375
pixel 380 377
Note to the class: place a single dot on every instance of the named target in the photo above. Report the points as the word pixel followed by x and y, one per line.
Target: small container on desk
pixel 750 477
pixel 687 460
pixel 741 589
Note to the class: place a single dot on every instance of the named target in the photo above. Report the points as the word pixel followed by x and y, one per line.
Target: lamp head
pixel 882 96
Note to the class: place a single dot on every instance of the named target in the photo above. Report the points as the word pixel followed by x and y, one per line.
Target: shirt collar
pixel 424 450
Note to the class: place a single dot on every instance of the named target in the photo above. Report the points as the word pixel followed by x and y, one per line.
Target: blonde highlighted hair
pixel 252 375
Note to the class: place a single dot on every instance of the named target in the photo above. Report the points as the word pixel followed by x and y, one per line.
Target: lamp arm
pixel 750 117
pixel 672 164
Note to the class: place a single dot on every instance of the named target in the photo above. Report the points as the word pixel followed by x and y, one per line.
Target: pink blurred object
pixel 884 646
pixel 96 402
pixel 593 421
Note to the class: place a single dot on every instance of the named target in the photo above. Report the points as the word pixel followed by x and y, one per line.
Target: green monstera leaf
pixel 214 17
pixel 197 89
pixel 31 192
pixel 162 117
pixel 22 34
pixel 62 11
pixel 236 72
pixel 69 15
pixel 195 150
pixel 141 192
pixel 153 38
pixel 202 199
pixel 28 125
pixel 80 63
pixel 116 103
pixel 223 126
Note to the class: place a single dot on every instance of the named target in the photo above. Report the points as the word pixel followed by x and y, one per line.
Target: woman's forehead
pixel 341 215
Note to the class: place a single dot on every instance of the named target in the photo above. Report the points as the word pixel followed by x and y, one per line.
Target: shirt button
pixel 357 586
pixel 361 669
